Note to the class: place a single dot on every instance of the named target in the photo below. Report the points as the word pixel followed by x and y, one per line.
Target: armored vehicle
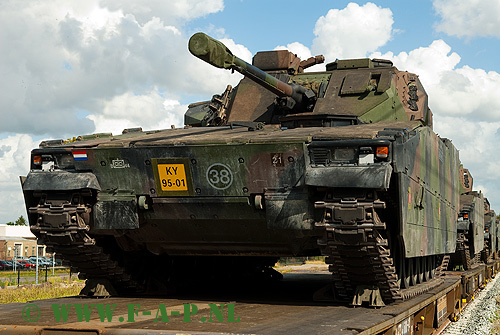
pixel 341 163
pixel 470 224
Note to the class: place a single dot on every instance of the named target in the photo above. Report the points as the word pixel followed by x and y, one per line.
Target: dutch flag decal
pixel 80 155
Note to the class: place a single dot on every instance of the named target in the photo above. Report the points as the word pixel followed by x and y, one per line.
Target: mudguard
pixel 60 181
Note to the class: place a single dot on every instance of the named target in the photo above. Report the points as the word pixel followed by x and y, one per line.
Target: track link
pixel 359 255
pixel 62 225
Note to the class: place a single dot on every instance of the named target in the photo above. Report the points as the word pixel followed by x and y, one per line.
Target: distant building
pixel 18 241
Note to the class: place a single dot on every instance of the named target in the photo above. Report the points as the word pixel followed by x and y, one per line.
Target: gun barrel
pixel 217 54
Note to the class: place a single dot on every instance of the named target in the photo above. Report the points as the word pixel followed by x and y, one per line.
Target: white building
pixel 15 231
pixel 18 241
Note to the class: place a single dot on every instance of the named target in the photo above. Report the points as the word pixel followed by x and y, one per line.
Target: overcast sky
pixel 77 67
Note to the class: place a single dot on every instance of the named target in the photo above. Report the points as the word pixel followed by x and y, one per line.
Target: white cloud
pixel 14 162
pixel 478 143
pixel 149 111
pixel 468 18
pixel 64 59
pixel 352 32
pixel 469 92
pixel 174 11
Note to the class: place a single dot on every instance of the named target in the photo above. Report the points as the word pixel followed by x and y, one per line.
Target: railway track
pixel 282 307
pixel 476 317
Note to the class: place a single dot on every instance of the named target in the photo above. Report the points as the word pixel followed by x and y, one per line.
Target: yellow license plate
pixel 172 177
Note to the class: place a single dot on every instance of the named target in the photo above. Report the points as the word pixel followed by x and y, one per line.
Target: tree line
pixel 21 221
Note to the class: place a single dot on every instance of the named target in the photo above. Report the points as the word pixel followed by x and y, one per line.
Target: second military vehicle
pixel 342 163
pixel 490 232
pixel 470 224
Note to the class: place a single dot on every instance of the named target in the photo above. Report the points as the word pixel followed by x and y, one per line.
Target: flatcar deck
pixel 281 307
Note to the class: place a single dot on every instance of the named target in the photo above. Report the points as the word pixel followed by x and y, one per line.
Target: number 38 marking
pixel 219 176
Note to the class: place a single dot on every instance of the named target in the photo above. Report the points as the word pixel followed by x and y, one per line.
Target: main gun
pixel 217 54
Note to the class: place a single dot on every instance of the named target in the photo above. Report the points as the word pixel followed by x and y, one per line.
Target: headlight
pixel 65 161
pixel 344 154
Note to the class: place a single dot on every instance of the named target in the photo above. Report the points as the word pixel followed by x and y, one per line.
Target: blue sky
pixel 77 67
pixel 261 26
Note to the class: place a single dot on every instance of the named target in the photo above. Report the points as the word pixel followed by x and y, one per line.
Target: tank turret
pixel 349 92
pixel 217 54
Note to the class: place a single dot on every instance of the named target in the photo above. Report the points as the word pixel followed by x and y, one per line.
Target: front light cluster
pixel 353 155
pixel 47 162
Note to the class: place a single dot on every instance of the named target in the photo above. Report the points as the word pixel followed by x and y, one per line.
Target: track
pixel 63 229
pixel 360 256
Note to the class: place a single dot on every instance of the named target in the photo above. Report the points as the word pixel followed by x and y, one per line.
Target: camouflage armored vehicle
pixel 341 163
pixel 470 224
pixel 490 232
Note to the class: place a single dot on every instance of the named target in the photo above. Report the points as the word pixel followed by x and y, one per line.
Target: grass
pixel 301 260
pixel 8 278
pixel 54 288
pixel 31 273
pixel 283 265
pixel 495 328
pixel 321 261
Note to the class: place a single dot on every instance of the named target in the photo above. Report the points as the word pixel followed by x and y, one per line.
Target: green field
pixel 9 278
pixel 55 287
